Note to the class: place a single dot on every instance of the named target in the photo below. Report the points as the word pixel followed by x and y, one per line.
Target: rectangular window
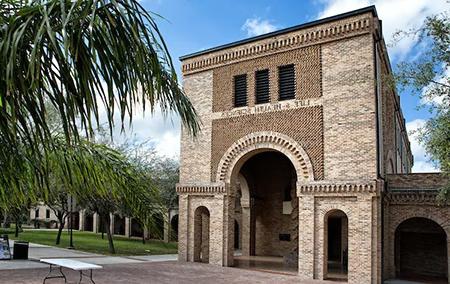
pixel 36 213
pixel 240 90
pixel 286 82
pixel 262 86
pixel 47 213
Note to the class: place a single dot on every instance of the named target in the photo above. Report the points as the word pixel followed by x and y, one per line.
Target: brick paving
pixel 157 272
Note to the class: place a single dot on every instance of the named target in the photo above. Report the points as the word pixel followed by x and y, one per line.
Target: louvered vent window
pixel 262 86
pixel 240 90
pixel 286 77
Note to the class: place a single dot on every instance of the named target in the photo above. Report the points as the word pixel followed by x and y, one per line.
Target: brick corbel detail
pixel 412 197
pixel 201 189
pixel 298 39
pixel 337 187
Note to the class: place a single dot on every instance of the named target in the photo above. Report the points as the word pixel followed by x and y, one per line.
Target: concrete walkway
pixel 37 252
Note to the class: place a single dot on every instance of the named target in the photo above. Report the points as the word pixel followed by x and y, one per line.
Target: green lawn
pixel 90 242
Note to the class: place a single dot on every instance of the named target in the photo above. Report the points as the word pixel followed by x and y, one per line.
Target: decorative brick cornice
pixel 215 188
pixel 301 38
pixel 412 197
pixel 337 187
pixel 265 140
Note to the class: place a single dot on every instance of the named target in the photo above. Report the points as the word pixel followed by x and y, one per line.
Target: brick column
pixel 81 221
pixel 95 223
pixel 306 237
pixel 111 224
pixel 245 228
pixel 183 230
pixel 228 230
pixel 166 227
pixel 127 227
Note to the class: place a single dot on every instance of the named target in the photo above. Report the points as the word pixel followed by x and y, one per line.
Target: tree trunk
pixel 60 217
pixel 60 229
pixel 109 234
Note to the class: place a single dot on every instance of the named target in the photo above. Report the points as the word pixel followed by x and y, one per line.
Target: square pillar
pixel 81 221
pixel 111 224
pixel 183 229
pixel 306 237
pixel 95 223
pixel 127 227
pixel 166 227
pixel 245 228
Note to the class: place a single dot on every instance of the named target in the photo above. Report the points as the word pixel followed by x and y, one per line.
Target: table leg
pixel 82 274
pixel 49 276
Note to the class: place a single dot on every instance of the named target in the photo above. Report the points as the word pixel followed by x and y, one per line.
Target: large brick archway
pixel 249 145
pixel 228 173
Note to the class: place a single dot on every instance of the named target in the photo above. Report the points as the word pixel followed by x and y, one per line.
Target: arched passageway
pixel 201 234
pixel 156 230
pixel 74 221
pixel 336 245
pixel 119 225
pixel 89 222
pixel 421 251
pixel 136 229
pixel 174 228
pixel 267 210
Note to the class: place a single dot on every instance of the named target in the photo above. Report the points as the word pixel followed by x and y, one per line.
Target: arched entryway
pixel 421 251
pixel 336 245
pixel 74 220
pixel 174 228
pixel 119 225
pixel 136 229
pixel 156 230
pixel 201 234
pixel 89 222
pixel 232 170
pixel 268 212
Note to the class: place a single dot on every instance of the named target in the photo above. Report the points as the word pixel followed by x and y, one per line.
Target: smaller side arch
pixel 335 246
pixel 201 234
pixel 421 249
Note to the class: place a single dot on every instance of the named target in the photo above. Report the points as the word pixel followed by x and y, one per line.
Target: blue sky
pixel 189 26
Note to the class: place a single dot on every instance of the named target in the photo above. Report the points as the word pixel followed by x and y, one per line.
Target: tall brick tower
pixel 299 133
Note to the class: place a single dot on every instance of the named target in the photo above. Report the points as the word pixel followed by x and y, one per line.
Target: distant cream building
pixel 303 163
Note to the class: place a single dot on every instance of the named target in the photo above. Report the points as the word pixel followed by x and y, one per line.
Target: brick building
pixel 303 162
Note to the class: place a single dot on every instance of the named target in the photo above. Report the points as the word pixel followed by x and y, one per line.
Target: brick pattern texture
pixel 307 64
pixel 303 125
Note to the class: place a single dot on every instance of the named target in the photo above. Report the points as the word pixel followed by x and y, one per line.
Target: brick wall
pixel 303 125
pixel 307 73
pixel 195 154
pixel 349 109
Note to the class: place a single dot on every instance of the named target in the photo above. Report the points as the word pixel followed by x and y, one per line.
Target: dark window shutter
pixel 262 86
pixel 286 82
pixel 240 90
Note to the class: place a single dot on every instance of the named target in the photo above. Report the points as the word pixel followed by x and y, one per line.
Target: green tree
pixel 428 76
pixel 77 56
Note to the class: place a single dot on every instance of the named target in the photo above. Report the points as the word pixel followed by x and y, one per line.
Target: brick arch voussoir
pixel 265 140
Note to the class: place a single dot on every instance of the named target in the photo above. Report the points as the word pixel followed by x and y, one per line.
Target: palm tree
pixel 79 57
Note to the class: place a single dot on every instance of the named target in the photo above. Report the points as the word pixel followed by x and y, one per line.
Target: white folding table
pixel 71 264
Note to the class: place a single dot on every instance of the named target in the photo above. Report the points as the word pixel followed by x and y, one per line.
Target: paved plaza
pixel 142 269
pixel 157 272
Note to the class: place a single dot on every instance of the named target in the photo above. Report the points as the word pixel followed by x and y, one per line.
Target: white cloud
pixel 395 14
pixel 421 161
pixel 163 133
pixel 256 26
